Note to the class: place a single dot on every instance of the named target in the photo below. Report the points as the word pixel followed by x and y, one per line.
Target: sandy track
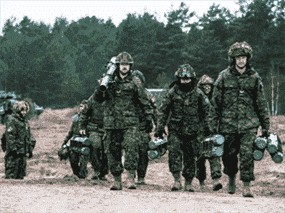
pixel 40 198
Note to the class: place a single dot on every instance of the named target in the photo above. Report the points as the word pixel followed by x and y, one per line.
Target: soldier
pixel 240 107
pixel 206 85
pixel 78 161
pixel 145 136
pixel 121 119
pixel 189 108
pixel 91 119
pixel 18 142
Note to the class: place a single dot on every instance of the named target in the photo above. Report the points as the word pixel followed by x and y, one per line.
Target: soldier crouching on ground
pixel 187 125
pixel 145 131
pixel 18 142
pixel 78 161
pixel 121 119
pixel 206 85
pixel 240 107
pixel 91 122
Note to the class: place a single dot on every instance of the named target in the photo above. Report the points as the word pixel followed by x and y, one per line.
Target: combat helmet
pixel 124 57
pixel 205 79
pixel 185 71
pixel 240 49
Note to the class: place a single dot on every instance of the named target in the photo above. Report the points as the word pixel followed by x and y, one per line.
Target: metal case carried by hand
pixel 64 152
pixel 81 145
pixel 274 148
pixel 111 67
pixel 213 146
pixel 157 148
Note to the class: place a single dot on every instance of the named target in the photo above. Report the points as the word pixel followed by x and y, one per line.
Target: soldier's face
pixel 241 61
pixel 207 88
pixel 124 67
pixel 185 81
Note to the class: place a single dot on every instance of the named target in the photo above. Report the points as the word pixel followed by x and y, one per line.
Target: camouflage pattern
pixel 143 154
pixel 139 75
pixel 241 144
pixel 240 49
pixel 205 79
pixel 115 141
pixel 91 119
pixel 78 162
pixel 185 70
pixel 240 108
pixel 124 57
pixel 19 142
pixel 122 100
pixel 187 127
pixel 215 162
pixel 239 102
pixel 189 111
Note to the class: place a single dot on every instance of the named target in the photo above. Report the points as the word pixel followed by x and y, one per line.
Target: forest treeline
pixel 58 66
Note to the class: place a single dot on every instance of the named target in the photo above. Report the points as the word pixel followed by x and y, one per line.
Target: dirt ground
pixel 50 186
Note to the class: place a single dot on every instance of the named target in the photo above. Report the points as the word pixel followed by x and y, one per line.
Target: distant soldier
pixel 123 98
pixel 240 108
pixel 145 135
pixel 187 106
pixel 91 123
pixel 78 161
pixel 18 142
pixel 206 85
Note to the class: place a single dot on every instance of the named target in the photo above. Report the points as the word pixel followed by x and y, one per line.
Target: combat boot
pixel 117 185
pixel 246 190
pixel 232 185
pixel 217 185
pixel 95 176
pixel 188 186
pixel 131 180
pixel 177 184
pixel 141 181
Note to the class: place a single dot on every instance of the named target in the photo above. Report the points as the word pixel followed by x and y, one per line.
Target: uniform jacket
pixel 18 135
pixel 189 111
pixel 239 102
pixel 74 130
pixel 93 115
pixel 122 102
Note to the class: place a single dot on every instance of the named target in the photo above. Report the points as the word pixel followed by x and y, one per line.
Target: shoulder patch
pixel 75 118
pixel 10 129
pixel 207 100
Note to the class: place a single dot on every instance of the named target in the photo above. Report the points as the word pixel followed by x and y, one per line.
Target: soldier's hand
pixel 30 155
pixel 64 143
pixel 159 134
pixel 82 132
pixel 265 133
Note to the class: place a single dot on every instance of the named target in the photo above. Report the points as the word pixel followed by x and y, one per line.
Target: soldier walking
pixel 240 108
pixel 91 122
pixel 18 142
pixel 121 119
pixel 206 84
pixel 78 161
pixel 187 125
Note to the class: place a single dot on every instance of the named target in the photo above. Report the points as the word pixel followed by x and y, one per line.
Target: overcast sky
pixel 47 11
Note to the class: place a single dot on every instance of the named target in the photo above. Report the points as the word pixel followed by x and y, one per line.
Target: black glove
pixel 148 126
pixel 159 134
pixel 64 143
pixel 30 155
pixel 265 133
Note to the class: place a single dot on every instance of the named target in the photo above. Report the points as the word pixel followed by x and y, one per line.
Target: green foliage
pixel 59 65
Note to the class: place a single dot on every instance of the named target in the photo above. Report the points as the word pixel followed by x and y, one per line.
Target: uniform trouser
pixel 215 168
pixel 98 156
pixel 241 144
pixel 181 151
pixel 79 163
pixel 15 165
pixel 115 141
pixel 143 154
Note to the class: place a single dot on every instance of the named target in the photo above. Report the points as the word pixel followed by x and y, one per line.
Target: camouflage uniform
pixel 91 119
pixel 19 142
pixel 121 120
pixel 240 107
pixel 215 162
pixel 186 128
pixel 78 161
pixel 145 139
